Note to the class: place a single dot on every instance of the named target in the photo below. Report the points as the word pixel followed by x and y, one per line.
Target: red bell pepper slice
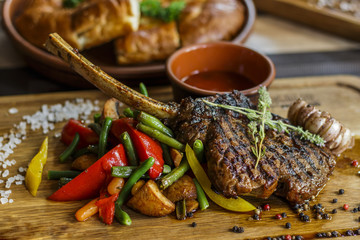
pixel 87 135
pixel 107 208
pixel 145 146
pixel 88 184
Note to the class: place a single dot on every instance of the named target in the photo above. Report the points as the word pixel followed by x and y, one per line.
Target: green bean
pixel 104 136
pixel 55 175
pixel 174 175
pixel 70 149
pixel 122 217
pixel 126 171
pixel 166 155
pixel 125 191
pixel 128 112
pixel 181 210
pixel 63 181
pixel 129 148
pixel 143 89
pixel 161 137
pixel 97 117
pixel 166 169
pixel 201 197
pixel 89 149
pixel 198 148
pixel 95 127
pixel 154 122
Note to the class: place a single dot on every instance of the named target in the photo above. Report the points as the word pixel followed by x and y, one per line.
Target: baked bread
pixel 201 21
pixel 155 40
pixel 90 24
pixel 210 20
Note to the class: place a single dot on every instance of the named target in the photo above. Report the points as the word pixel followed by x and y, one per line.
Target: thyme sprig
pixel 261 118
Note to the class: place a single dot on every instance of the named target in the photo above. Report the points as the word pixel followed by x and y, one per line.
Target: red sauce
pixel 219 81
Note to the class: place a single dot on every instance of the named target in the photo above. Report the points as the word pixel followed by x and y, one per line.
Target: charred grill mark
pixel 305 154
pixel 284 161
pixel 290 151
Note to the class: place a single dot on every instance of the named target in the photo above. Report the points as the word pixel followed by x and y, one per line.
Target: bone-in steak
pixel 292 168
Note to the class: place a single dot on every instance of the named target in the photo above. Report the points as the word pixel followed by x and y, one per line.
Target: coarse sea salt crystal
pixel 5 173
pixel 13 110
pixel 4 200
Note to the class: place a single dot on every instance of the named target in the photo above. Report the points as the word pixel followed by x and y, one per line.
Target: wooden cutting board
pixel 331 21
pixel 35 217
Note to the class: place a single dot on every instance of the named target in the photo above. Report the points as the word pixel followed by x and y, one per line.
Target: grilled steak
pixel 292 168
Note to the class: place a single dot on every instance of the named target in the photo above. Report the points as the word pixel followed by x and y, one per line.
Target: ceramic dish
pixel 223 57
pixel 55 69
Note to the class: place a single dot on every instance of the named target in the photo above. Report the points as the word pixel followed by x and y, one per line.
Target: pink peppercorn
pixel 266 207
pixel 354 163
pixel 288 237
pixel 346 207
pixel 278 216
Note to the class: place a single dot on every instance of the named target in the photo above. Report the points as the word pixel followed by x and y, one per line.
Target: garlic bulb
pixel 337 137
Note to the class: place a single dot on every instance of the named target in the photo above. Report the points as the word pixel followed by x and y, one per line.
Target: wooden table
pixel 37 218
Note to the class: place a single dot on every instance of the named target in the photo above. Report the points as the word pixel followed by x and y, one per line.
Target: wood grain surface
pixel 37 218
pixel 341 24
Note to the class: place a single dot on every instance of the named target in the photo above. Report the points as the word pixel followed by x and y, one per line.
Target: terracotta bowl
pixel 220 56
pixel 103 56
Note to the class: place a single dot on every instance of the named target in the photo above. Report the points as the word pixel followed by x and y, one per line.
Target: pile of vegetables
pixel 135 160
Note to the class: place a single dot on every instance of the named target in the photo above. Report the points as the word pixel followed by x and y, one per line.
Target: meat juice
pixel 222 81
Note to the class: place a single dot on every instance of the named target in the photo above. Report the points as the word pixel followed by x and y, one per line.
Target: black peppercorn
pixel 341 191
pixel 355 210
pixel 319 235
pixel 334 234
pixel 288 225
pixel 256 217
pixel 193 224
pixel 334 200
pixel 334 211
pixel 284 215
pixel 298 237
pixel 237 229
pixel 349 233
pixel 326 216
pixel 302 214
pixel 306 218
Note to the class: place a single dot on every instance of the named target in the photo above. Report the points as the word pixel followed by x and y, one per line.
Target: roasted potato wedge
pixel 184 188
pixel 84 162
pixel 191 205
pixel 150 201
pixel 176 156
pixel 112 108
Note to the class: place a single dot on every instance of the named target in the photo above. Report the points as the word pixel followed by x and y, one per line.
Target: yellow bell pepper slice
pixel 35 169
pixel 232 204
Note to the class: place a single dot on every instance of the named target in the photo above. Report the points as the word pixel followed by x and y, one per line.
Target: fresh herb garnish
pixel 71 3
pixel 261 118
pixel 153 8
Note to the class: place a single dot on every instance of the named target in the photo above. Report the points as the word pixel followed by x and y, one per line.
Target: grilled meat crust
pixel 292 168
